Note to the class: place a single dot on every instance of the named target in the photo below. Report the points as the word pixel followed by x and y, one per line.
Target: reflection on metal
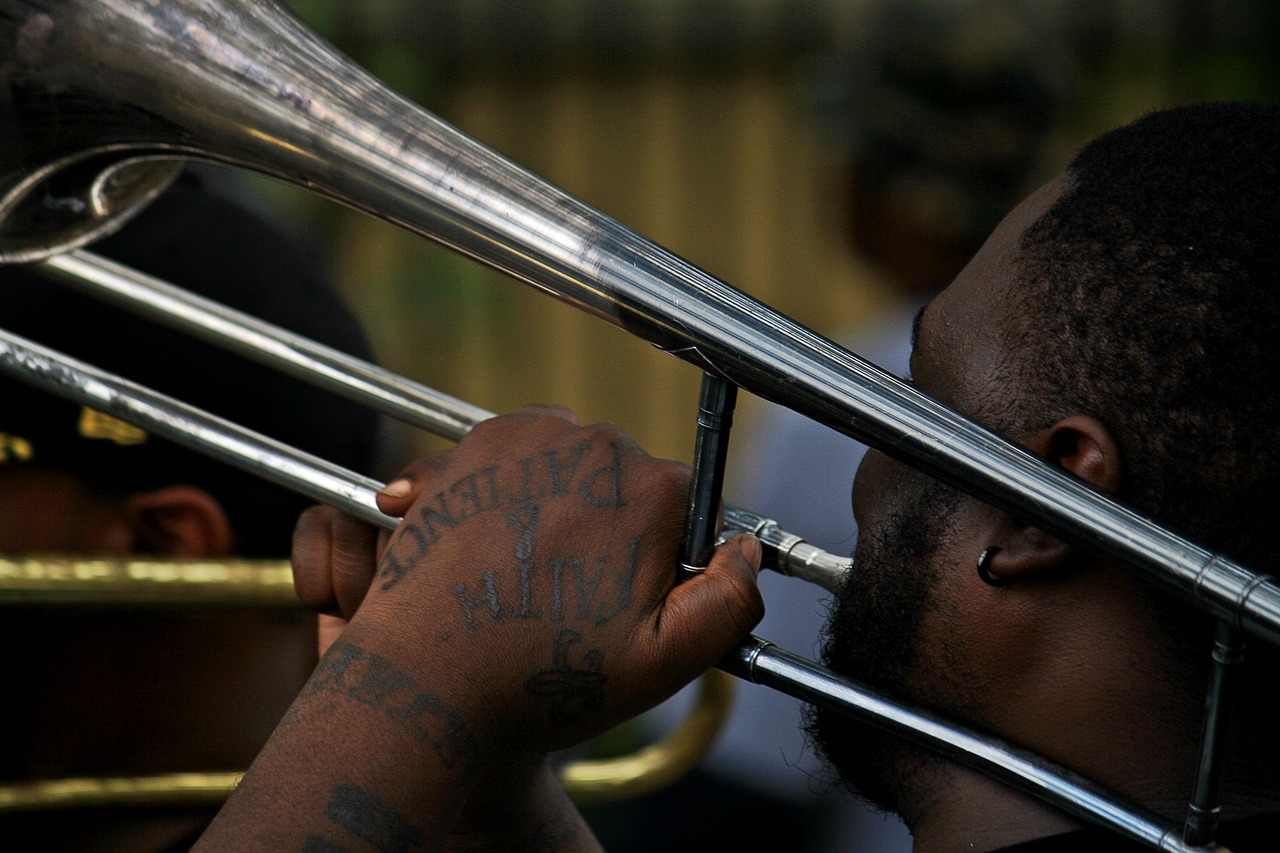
pixel 660 764
pixel 184 584
pixel 171 789
pixel 101 125
pixel 401 398
pixel 55 580
pixel 588 782
pixel 105 94
pixel 761 662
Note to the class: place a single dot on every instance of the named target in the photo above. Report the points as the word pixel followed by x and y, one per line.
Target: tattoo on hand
pixel 373 680
pixel 548 474
pixel 572 689
pixel 599 589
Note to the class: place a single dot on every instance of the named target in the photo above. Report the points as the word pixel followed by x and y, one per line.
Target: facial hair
pixel 872 636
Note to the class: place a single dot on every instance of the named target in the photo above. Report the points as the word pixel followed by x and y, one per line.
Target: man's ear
pixel 178 521
pixel 1080 445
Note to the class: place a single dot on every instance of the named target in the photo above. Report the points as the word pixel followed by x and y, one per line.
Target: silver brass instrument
pixel 104 96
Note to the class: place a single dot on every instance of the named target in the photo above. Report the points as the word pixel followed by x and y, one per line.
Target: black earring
pixel 984 568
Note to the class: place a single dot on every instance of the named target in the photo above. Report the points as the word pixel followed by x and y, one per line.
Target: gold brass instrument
pixel 103 96
pixel 198 583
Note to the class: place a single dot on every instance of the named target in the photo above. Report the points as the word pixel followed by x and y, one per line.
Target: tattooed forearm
pixel 356 673
pixel 368 817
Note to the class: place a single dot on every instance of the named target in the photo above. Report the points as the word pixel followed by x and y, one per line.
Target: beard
pixel 873 636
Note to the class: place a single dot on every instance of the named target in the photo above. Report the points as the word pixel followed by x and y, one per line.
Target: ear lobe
pixel 1024 551
pixel 1080 445
pixel 179 521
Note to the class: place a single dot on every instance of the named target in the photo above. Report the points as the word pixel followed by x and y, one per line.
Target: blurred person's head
pixel 75 480
pixel 941 112
pixel 136 689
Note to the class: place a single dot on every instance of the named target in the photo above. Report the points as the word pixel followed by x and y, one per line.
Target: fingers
pixel 718 607
pixel 398 495
pixel 544 411
pixel 328 630
pixel 526 424
pixel 334 559
pixel 556 541
pixel 310 560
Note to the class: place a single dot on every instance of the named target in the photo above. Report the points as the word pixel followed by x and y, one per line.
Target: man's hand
pixel 526 602
pixel 534 572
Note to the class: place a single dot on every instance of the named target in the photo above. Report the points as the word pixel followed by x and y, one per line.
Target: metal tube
pixel 710 453
pixel 268 344
pixel 757 661
pixel 763 663
pixel 314 119
pixel 1204 808
pixel 166 417
pixel 359 380
pixel 142 88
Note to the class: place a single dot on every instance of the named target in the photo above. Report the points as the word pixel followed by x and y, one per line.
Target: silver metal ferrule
pixel 787 553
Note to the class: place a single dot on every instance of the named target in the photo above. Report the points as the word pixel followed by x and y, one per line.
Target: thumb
pixel 722 604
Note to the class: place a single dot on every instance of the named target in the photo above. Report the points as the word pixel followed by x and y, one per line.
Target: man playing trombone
pixel 1110 325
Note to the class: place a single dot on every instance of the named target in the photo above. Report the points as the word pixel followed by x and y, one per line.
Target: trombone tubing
pixel 258 90
pixel 358 380
pixel 760 662
pixel 755 660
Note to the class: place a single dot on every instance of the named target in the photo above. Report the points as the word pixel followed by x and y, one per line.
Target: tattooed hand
pixel 536 567
pixel 526 602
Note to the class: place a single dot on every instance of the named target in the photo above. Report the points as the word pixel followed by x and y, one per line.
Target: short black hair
pixel 1151 301
pixel 1149 297
pixel 204 241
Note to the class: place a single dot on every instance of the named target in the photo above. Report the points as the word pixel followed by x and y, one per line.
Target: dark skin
pixel 70 517
pixel 526 603
pixel 1027 643
pixel 1060 661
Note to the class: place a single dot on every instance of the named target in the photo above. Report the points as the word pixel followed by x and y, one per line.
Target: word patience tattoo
pixel 550 474
pixel 573 690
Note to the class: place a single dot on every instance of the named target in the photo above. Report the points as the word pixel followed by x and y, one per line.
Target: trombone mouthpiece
pixel 787 553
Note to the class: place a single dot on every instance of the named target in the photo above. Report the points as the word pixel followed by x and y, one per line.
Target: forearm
pixel 518 806
pixel 368 757
pixel 526 602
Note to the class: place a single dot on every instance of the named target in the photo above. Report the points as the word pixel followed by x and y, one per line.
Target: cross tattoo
pixel 572 691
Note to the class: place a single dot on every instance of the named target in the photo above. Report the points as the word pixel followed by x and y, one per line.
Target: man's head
pixel 1113 325
pixel 106 486
pixel 120 690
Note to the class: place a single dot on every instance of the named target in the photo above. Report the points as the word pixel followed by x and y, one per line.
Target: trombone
pixel 105 96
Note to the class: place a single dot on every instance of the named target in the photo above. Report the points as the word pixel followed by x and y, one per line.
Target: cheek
pixel 50 514
pixel 883 486
pixel 868 485
pixel 34 522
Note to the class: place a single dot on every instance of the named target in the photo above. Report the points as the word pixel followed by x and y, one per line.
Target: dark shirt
pixel 1260 834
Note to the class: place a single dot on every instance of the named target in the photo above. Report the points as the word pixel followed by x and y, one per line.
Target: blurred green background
pixel 714 127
